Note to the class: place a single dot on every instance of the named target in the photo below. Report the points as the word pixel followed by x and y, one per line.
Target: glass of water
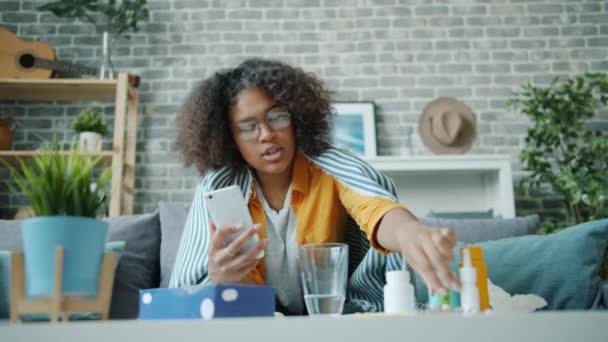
pixel 324 269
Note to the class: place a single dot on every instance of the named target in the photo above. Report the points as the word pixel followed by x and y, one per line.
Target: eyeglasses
pixel 250 129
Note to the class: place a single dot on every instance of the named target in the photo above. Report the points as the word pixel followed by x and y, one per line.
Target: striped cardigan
pixel 367 266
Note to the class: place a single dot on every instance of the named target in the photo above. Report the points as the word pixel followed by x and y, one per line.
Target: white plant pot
pixel 89 142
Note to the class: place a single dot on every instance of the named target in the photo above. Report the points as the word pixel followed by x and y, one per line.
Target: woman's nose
pixel 266 132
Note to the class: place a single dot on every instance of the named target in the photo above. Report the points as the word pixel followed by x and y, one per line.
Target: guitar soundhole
pixel 27 61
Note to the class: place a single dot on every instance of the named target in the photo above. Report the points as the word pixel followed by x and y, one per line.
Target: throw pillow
pixel 172 221
pixel 563 268
pixel 476 230
pixel 116 247
pixel 138 268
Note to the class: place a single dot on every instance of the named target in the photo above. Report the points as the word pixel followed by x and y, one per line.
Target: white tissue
pixel 501 301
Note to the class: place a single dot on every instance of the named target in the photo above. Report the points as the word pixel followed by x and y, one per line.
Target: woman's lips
pixel 272 154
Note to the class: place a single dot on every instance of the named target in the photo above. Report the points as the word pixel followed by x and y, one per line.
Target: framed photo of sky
pixel 355 127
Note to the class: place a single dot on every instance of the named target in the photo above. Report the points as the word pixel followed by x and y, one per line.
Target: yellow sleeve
pixel 256 275
pixel 367 212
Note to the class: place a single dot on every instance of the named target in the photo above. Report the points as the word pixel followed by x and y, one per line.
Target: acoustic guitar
pixel 21 59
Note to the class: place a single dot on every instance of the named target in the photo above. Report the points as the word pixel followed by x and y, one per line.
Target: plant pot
pixel 89 142
pixel 83 241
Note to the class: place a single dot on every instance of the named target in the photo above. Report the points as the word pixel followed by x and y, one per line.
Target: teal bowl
pixel 83 241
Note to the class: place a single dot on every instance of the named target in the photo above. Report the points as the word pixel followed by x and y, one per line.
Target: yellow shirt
pixel 322 206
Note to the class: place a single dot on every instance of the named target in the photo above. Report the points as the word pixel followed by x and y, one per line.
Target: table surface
pixel 550 326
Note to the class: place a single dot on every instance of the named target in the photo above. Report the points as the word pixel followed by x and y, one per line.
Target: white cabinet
pixel 451 183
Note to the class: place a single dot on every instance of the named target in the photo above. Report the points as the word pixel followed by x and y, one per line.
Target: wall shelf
pixel 452 183
pixel 21 89
pixel 122 156
pixel 12 157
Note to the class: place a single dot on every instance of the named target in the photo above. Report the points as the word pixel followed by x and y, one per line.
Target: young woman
pixel 265 126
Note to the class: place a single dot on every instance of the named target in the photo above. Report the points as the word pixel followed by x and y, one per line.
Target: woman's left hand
pixel 427 250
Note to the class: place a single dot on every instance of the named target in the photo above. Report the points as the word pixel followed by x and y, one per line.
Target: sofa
pixel 562 268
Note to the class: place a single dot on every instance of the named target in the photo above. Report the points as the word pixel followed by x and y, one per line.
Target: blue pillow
pixel 5 267
pixel 563 267
pixel 116 247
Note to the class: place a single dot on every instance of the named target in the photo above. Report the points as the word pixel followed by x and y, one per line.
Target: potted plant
pixel 66 192
pixel 562 151
pixel 91 128
pixel 115 18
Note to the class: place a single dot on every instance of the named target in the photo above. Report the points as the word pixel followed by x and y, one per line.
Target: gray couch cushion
pixel 172 221
pixel 138 267
pixel 489 214
pixel 477 230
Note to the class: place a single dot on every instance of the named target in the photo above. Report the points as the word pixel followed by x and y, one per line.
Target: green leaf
pixel 119 18
pixel 90 121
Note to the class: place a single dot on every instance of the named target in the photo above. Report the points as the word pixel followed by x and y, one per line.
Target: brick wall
pixel 399 53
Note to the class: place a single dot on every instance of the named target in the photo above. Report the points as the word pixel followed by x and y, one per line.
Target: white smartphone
pixel 227 207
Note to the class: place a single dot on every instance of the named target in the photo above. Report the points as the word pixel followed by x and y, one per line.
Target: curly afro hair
pixel 204 138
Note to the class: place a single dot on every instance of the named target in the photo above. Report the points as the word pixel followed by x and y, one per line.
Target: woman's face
pixel 263 133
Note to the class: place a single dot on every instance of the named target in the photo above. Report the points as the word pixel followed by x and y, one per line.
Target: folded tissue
pixel 502 301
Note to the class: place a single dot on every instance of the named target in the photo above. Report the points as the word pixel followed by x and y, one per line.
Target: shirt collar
pixel 300 176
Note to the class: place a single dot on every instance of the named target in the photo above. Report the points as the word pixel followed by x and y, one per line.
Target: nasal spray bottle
pixel 482 275
pixel 469 294
pixel 399 295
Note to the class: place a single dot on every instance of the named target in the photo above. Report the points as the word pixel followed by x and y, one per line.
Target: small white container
pixel 399 295
pixel 469 293
pixel 89 142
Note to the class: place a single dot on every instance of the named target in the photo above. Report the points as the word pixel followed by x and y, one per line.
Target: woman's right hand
pixel 225 265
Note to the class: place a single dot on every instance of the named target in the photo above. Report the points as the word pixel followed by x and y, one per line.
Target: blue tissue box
pixel 207 302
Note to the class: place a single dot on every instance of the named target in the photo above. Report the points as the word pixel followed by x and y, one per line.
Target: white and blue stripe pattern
pixel 367 267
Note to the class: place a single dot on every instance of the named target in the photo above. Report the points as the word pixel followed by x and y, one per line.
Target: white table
pixel 554 327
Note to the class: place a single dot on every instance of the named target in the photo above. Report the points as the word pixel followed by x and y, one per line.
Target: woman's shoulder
pixel 215 179
pixel 339 159
pixel 354 172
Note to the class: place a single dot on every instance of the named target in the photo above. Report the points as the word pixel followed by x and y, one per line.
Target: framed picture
pixel 355 127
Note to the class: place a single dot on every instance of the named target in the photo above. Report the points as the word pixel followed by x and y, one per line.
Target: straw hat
pixel 447 126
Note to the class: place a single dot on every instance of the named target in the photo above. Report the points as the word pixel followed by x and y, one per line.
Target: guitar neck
pixel 42 63
pixel 64 67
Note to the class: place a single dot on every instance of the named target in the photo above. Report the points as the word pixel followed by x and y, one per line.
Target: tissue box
pixel 207 302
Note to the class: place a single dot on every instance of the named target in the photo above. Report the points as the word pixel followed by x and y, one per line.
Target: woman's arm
pixel 392 228
pixel 428 250
pixel 193 247
pixel 197 252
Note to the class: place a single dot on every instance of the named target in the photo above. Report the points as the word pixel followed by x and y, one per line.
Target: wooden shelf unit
pixel 126 98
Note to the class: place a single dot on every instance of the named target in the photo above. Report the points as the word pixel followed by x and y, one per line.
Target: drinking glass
pixel 324 269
